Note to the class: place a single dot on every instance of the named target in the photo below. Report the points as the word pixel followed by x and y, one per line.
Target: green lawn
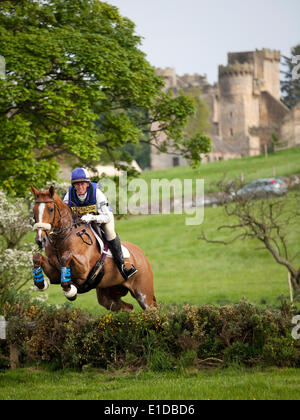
pixel 229 384
pixel 283 163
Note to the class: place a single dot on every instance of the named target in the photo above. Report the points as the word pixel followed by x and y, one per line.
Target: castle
pixel 245 108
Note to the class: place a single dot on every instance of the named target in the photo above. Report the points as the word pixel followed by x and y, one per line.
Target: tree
pixel 274 222
pixel 14 221
pixel 290 86
pixel 68 65
pixel 15 256
pixel 199 121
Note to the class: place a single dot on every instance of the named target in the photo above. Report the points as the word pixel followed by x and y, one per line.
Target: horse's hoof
pixel 71 294
pixel 42 287
pixel 72 298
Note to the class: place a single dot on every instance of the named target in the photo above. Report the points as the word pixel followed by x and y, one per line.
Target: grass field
pixel 282 163
pixel 229 384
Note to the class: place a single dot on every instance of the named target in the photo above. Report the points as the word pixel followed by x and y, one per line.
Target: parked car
pixel 263 188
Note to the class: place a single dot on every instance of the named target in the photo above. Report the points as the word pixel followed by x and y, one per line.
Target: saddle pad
pixel 126 253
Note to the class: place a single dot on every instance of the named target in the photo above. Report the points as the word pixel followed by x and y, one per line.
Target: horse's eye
pixel 51 210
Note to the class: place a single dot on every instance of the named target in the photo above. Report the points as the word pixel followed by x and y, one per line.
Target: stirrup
pixel 129 272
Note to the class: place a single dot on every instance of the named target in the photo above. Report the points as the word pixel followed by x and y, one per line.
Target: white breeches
pixel 109 228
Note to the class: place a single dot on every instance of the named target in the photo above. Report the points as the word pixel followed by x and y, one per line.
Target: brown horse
pixel 72 251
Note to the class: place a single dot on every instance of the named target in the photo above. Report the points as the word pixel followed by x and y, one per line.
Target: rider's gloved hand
pixel 88 218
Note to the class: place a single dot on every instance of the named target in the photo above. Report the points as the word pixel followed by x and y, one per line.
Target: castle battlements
pixel 175 82
pixel 272 55
pixel 236 69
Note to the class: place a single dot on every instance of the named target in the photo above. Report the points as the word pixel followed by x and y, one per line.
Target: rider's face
pixel 81 187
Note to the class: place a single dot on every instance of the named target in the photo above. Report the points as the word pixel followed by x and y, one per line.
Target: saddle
pixel 101 239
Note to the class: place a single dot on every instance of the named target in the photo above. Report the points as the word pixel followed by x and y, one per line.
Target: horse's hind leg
pixel 143 293
pixel 145 300
pixel 110 298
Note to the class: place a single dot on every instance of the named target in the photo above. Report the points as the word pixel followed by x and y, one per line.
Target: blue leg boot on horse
pixel 40 282
pixel 69 290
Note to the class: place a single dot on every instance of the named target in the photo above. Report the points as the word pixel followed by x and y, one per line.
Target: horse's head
pixel 46 214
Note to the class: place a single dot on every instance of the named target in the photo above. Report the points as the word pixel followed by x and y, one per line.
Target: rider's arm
pixel 105 215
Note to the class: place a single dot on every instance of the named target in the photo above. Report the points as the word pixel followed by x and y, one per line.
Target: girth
pixel 96 274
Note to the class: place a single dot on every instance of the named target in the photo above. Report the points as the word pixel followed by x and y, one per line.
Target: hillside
pixel 283 163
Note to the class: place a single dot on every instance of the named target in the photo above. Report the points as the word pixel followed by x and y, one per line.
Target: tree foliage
pixel 70 64
pixel 290 86
pixel 199 121
pixel 15 256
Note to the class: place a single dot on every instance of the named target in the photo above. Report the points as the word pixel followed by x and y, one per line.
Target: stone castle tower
pixel 245 105
pixel 249 99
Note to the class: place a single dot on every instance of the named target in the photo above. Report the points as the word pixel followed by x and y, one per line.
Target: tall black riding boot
pixel 116 250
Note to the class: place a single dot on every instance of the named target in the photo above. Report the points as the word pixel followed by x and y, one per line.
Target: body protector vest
pixel 88 205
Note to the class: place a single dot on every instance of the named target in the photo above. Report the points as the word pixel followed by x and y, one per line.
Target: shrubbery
pixel 15 255
pixel 159 339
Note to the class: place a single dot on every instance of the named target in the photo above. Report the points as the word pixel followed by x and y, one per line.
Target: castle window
pixel 231 132
pixel 176 161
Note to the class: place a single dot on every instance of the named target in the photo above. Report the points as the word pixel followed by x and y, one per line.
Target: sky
pixel 194 36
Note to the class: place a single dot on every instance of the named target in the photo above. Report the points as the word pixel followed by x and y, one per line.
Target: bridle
pixel 50 230
pixel 56 233
pixel 47 226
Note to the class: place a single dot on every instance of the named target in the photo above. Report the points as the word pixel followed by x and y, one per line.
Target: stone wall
pixel 289 133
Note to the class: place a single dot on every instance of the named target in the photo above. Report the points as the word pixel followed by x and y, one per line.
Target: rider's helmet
pixel 80 175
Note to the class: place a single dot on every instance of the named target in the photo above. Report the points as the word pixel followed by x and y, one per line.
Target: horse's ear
pixel 51 191
pixel 35 191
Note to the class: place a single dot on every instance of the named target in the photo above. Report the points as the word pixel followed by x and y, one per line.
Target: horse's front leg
pixel 41 265
pixel 63 276
pixel 68 289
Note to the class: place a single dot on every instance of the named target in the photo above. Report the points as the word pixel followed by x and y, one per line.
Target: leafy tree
pixel 290 86
pixel 15 256
pixel 199 121
pixel 70 64
pixel 140 152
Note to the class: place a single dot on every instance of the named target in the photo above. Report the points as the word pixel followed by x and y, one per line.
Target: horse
pixel 72 251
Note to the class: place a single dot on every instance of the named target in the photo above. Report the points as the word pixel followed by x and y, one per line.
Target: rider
pixel 89 201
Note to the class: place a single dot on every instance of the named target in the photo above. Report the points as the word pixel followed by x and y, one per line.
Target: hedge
pixel 158 339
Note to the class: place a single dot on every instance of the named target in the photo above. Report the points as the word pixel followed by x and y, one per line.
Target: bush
pixel 15 257
pixel 281 351
pixel 4 359
pixel 160 340
pixel 160 361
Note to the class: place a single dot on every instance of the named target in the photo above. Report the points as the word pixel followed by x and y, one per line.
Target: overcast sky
pixel 194 36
